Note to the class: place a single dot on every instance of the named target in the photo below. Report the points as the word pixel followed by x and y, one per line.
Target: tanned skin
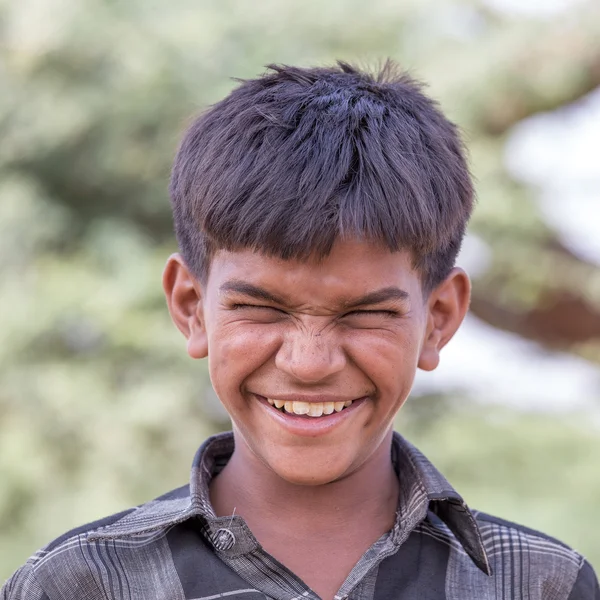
pixel 355 325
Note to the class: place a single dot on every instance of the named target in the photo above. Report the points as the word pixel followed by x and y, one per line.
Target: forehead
pixel 353 268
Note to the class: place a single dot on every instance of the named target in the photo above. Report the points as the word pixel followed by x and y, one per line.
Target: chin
pixel 307 472
pixel 309 479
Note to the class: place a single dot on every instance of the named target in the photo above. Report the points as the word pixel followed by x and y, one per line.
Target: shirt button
pixel 223 539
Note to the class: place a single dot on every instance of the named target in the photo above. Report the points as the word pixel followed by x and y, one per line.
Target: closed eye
pixel 369 319
pixel 256 307
pixel 388 313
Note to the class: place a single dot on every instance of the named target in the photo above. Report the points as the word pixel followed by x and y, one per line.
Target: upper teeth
pixel 312 409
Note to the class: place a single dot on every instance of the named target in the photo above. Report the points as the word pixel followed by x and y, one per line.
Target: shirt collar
pixel 422 488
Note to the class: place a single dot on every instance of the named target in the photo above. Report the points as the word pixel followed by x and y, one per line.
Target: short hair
pixel 297 158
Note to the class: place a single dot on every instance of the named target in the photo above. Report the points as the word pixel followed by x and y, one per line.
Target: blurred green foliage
pixel 99 406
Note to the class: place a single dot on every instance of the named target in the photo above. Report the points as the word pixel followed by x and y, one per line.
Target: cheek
pixel 389 359
pixel 235 351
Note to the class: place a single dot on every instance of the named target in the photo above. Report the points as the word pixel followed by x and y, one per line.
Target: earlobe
pixel 447 307
pixel 197 344
pixel 429 358
pixel 184 300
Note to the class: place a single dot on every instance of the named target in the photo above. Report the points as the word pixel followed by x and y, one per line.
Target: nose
pixel 310 356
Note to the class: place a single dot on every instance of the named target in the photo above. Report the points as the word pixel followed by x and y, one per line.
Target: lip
pixel 310 426
pixel 307 398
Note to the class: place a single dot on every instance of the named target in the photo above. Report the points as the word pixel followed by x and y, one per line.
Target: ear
pixel 184 299
pixel 447 306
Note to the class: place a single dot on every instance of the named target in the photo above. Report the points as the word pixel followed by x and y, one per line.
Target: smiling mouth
pixel 308 409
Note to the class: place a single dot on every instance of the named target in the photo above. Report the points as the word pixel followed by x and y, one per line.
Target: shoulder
pixel 535 561
pixel 523 563
pixel 500 536
pixel 75 560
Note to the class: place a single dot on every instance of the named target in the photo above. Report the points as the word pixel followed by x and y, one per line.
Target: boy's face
pixel 352 327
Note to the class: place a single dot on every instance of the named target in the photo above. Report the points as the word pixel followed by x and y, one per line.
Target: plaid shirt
pixel 176 548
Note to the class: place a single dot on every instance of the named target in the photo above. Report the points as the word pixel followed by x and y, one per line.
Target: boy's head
pixel 294 160
pixel 319 213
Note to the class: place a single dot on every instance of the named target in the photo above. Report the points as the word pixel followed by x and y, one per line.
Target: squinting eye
pixel 384 313
pixel 368 318
pixel 258 310
pixel 255 306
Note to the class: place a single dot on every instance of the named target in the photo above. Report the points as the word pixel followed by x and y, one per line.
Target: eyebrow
pixel 377 297
pixel 247 289
pixel 258 293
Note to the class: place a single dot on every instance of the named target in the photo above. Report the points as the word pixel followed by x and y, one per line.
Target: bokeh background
pixel 100 407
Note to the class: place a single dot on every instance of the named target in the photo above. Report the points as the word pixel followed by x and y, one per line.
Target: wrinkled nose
pixel 310 357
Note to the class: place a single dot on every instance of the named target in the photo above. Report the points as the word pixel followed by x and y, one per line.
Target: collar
pixel 422 489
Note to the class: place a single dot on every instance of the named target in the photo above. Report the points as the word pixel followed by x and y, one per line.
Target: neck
pixel 369 494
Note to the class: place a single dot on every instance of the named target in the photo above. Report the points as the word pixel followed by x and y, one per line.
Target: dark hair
pixel 293 160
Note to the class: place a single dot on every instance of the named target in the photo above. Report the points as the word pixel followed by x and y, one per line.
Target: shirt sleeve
pixel 586 585
pixel 23 586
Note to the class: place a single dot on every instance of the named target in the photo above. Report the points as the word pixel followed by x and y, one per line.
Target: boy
pixel 319 213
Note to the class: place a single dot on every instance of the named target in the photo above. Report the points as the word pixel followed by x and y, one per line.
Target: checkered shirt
pixel 176 548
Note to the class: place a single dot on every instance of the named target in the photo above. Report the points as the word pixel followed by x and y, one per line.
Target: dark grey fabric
pixel 417 570
pixel 586 586
pixel 176 548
